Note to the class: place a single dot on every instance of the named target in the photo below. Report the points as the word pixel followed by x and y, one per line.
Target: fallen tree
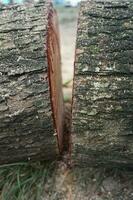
pixel 31 103
pixel 102 118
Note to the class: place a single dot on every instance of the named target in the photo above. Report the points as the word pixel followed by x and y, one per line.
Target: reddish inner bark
pixel 55 80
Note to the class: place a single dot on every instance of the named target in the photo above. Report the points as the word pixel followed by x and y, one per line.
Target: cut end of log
pixel 55 80
pixel 31 98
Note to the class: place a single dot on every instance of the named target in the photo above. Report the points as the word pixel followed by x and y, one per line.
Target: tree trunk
pixel 31 103
pixel 103 85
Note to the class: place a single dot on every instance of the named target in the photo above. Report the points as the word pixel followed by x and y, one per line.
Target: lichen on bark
pixel 27 129
pixel 103 84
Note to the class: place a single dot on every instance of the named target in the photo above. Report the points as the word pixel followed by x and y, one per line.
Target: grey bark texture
pixel 27 129
pixel 102 119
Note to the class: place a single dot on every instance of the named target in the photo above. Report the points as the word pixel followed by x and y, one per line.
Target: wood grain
pixel 27 127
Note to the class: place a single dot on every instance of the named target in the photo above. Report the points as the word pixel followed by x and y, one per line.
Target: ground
pixel 57 180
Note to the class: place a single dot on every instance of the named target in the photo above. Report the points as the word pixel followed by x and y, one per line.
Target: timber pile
pixel 31 103
pixel 102 118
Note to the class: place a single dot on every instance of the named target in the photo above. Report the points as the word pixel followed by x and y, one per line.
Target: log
pixel 102 118
pixel 31 101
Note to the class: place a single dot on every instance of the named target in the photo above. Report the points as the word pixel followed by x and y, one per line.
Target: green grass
pixel 24 181
pixel 66 84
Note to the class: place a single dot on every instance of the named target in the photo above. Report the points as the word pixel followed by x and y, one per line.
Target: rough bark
pixel 103 85
pixel 30 109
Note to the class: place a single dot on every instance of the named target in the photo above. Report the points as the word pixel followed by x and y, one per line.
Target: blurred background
pixel 67 14
pixel 56 2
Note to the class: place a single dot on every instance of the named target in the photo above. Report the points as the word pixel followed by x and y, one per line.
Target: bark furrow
pixel 102 118
pixel 27 110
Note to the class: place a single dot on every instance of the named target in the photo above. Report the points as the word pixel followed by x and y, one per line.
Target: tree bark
pixel 102 118
pixel 31 103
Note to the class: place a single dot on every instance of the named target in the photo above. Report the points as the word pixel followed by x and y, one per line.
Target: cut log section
pixel 102 121
pixel 31 101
